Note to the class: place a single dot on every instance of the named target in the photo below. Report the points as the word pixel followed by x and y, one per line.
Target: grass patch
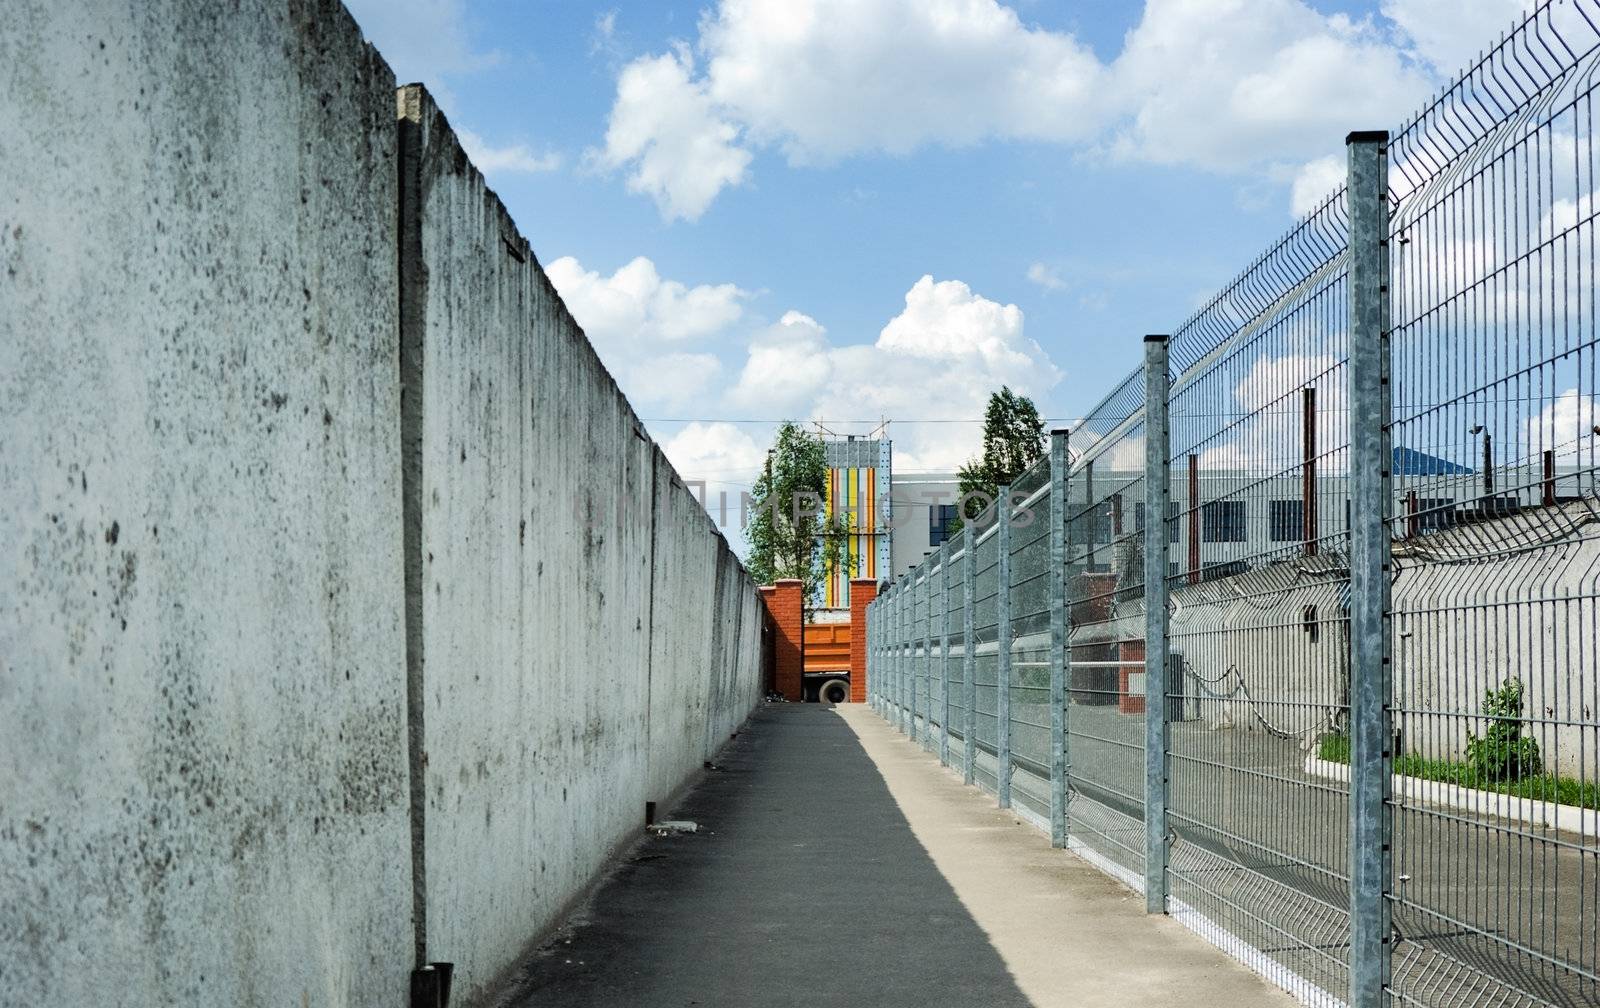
pixel 1335 748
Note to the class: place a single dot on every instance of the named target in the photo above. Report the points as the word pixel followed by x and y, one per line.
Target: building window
pixel 1222 521
pixel 1308 619
pixel 940 519
pixel 1172 519
pixel 1288 521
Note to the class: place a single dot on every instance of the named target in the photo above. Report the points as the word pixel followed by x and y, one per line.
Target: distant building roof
pixel 1410 462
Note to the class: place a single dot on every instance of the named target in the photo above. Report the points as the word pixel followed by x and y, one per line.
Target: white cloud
pixel 1230 84
pixel 636 308
pixel 1045 277
pixel 516 158
pixel 939 358
pixel 1236 86
pixel 1448 33
pixel 1566 427
pixel 1314 182
pixel 648 329
pixel 1269 437
pixel 677 147
pixel 827 78
pixel 674 381
pixel 786 366
pixel 721 454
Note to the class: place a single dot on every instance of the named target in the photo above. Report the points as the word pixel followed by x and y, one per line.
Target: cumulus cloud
pixel 650 330
pixel 1314 182
pixel 1566 426
pixel 721 455
pixel 635 307
pixel 1448 34
pixel 676 145
pixel 938 359
pixel 1225 85
pixel 1230 84
pixel 785 368
pixel 676 347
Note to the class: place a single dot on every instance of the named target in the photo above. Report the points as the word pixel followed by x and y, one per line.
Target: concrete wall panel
pixel 579 615
pixel 202 776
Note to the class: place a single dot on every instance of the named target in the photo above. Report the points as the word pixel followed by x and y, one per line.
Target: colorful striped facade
pixel 858 491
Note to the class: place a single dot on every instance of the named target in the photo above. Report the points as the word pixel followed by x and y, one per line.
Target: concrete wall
pixel 585 633
pixel 202 771
pixel 331 634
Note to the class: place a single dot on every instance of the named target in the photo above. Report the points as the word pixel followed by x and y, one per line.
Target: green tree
pixel 1013 439
pixel 789 535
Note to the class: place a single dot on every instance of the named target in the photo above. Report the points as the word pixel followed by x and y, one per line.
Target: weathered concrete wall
pixel 350 618
pixel 587 639
pixel 202 770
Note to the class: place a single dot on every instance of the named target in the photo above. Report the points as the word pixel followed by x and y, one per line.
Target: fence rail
pixel 1301 642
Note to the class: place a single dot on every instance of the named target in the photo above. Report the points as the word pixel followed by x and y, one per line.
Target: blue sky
pixel 861 209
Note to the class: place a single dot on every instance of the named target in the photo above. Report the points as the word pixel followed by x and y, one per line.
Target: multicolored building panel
pixel 858 490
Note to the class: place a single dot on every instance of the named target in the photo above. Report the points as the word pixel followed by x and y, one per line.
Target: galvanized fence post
pixel 867 631
pixel 1058 638
pixel 1370 464
pixel 944 656
pixel 969 543
pixel 875 674
pixel 1002 641
pixel 911 654
pixel 1157 487
pixel 925 666
pixel 902 655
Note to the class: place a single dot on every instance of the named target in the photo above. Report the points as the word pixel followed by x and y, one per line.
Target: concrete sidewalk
pixel 838 864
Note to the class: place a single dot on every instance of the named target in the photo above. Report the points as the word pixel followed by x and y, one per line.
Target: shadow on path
pixel 805 886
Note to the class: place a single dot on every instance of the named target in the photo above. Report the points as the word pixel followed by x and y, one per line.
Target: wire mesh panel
pixel 1494 533
pixel 1495 546
pixel 933 687
pixel 1105 648
pixel 985 673
pixel 919 645
pixel 1030 638
pixel 956 617
pixel 1257 577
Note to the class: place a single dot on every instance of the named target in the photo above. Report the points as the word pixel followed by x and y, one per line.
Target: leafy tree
pixel 789 535
pixel 1013 439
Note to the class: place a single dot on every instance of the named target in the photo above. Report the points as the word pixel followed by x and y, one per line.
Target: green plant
pixel 1503 753
pixel 1013 439
pixel 791 535
pixel 1334 747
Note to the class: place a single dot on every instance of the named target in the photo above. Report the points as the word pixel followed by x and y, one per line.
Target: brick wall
pixel 783 603
pixel 862 592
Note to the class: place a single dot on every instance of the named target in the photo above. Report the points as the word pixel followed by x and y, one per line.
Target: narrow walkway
pixel 837 864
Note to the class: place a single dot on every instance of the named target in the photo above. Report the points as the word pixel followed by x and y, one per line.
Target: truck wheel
pixel 834 691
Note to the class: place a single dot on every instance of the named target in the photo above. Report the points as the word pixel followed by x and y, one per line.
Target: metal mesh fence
pixel 1436 845
pixel 1496 553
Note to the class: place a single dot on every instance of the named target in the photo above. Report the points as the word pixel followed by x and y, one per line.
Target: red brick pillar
pixel 862 592
pixel 784 607
pixel 1128 702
